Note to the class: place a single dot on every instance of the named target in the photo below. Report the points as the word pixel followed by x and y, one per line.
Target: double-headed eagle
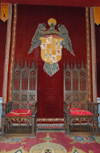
pixel 49 37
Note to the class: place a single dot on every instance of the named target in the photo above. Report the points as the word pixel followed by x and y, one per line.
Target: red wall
pixel 3 30
pixel 50 89
pixel 97 31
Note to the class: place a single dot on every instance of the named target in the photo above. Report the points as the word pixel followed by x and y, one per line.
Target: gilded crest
pixel 51 42
pixel 51 48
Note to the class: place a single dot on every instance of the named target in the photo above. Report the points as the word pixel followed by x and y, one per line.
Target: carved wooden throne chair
pixel 80 115
pixel 19 116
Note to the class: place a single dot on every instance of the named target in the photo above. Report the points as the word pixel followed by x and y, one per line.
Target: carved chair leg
pixel 2 128
pixel 33 134
pixel 3 125
pixel 68 128
pixel 96 125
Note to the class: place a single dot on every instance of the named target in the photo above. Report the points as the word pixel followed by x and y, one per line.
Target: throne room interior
pixel 40 20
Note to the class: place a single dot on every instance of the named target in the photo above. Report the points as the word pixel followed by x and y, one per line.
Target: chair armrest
pixel 6 108
pixel 10 106
pixel 92 107
pixel 34 103
pixel 34 113
pixel 33 106
pixel 89 106
pixel 93 103
pixel 66 106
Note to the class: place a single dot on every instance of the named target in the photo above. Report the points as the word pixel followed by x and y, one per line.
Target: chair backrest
pixel 75 84
pixel 24 91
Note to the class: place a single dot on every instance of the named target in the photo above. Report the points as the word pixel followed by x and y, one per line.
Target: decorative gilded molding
pixel 88 54
pixel 7 50
pixel 50 120
pixel 12 52
pixel 93 50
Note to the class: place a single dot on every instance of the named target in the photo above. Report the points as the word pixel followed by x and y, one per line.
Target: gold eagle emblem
pixel 51 42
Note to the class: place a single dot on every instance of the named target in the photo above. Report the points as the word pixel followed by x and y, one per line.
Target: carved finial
pixel 18 66
pixel 22 63
pixel 71 64
pixel 64 64
pixel 25 64
pixel 78 65
pixel 82 64
pixel 36 65
pixel 68 67
pixel 33 66
pixel 85 65
pixel 29 64
pixel 75 66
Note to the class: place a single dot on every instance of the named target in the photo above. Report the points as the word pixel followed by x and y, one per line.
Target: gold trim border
pixel 50 120
pixel 7 50
pixel 12 52
pixel 88 54
pixel 93 50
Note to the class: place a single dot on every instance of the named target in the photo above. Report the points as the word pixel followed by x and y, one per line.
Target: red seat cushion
pixel 79 111
pixel 20 112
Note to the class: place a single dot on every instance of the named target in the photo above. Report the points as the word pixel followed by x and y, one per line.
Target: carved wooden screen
pixel 75 83
pixel 24 83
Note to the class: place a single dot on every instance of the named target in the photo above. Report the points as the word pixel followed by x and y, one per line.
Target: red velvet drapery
pixel 3 31
pixel 50 89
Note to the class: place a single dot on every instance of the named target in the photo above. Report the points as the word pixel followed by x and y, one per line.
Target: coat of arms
pixel 51 42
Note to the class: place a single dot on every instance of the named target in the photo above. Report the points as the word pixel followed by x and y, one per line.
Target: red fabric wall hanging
pixel 3 30
pixel 97 29
pixel 50 89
